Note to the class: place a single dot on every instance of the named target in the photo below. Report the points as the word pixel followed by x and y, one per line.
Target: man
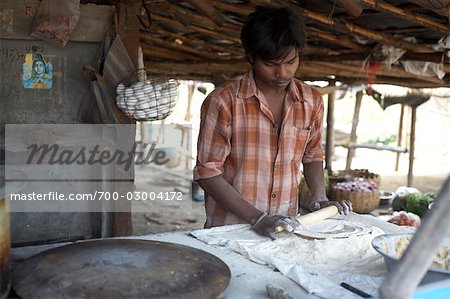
pixel 256 129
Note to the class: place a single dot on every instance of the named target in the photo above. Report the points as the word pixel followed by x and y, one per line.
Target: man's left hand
pixel 344 206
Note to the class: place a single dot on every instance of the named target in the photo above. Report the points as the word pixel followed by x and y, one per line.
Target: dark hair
pixel 270 33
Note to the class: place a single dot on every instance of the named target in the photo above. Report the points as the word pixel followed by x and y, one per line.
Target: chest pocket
pixel 295 140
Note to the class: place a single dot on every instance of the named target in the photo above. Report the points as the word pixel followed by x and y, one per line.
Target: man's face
pixel 276 74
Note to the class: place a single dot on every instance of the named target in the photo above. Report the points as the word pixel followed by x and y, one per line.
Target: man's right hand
pixel 268 225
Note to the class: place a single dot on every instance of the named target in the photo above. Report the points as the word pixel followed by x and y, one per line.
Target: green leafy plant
pixel 417 203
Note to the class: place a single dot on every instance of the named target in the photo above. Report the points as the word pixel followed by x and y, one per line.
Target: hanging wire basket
pixel 146 96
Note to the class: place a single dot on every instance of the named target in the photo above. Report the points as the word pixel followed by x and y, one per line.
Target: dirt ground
pixel 155 216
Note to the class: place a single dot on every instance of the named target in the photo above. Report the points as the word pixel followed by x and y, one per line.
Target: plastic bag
pixel 55 20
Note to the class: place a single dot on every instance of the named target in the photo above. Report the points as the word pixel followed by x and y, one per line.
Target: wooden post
pixel 412 139
pixel 329 146
pixel 127 26
pixel 191 90
pixel 142 76
pixel 353 137
pixel 399 135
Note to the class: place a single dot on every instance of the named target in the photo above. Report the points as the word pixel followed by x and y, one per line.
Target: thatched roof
pixel 199 39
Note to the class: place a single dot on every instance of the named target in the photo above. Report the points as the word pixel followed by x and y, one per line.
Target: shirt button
pixel 275 165
pixel 273 195
pixel 274 126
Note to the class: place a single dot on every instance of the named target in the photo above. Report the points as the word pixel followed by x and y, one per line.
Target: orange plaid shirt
pixel 239 140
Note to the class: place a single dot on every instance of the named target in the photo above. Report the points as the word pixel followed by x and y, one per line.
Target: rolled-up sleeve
pixel 213 145
pixel 314 150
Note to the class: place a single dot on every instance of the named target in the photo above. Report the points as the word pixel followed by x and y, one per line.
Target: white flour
pixel 319 266
pixel 354 253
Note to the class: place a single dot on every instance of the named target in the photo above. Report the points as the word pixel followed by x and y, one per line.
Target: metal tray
pixel 121 268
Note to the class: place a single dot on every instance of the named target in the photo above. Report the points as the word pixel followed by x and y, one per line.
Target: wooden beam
pixel 392 72
pixel 384 7
pixel 395 149
pixel 128 26
pixel 412 83
pixel 205 68
pixel 329 145
pixel 399 135
pixel 307 71
pixel 412 139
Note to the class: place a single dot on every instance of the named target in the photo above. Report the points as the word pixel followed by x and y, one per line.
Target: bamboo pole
pixel 324 52
pixel 353 137
pixel 412 83
pixel 443 11
pixel 352 56
pixel 405 15
pixel 399 135
pixel 243 10
pixel 446 68
pixel 148 39
pixel 376 147
pixel 307 70
pixel 195 42
pixel 353 8
pixel 338 40
pixel 412 139
pixel 392 72
pixel 329 149
pixel 388 39
pixel 342 25
pixel 213 33
pixel 206 8
pixel 151 51
pixel 188 16
pixel 202 68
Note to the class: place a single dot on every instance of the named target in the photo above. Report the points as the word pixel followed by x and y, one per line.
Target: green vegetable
pixel 417 203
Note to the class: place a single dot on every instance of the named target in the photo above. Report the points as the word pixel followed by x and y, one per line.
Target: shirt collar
pixel 248 89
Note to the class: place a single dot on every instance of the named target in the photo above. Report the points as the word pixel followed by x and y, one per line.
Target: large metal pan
pixel 121 268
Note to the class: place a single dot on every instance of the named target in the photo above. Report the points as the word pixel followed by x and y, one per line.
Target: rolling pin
pixel 315 216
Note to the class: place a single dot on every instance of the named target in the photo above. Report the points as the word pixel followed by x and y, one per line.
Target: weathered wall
pixel 60 104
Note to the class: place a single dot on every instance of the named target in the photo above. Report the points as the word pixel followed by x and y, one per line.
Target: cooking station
pixel 248 279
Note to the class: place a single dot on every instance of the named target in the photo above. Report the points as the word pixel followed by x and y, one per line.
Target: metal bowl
pixel 386 246
pixel 386 197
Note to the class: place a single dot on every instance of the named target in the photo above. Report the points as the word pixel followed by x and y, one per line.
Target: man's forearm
pixel 225 194
pixel 313 173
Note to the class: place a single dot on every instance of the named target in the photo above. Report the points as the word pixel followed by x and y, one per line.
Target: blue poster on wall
pixel 37 72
